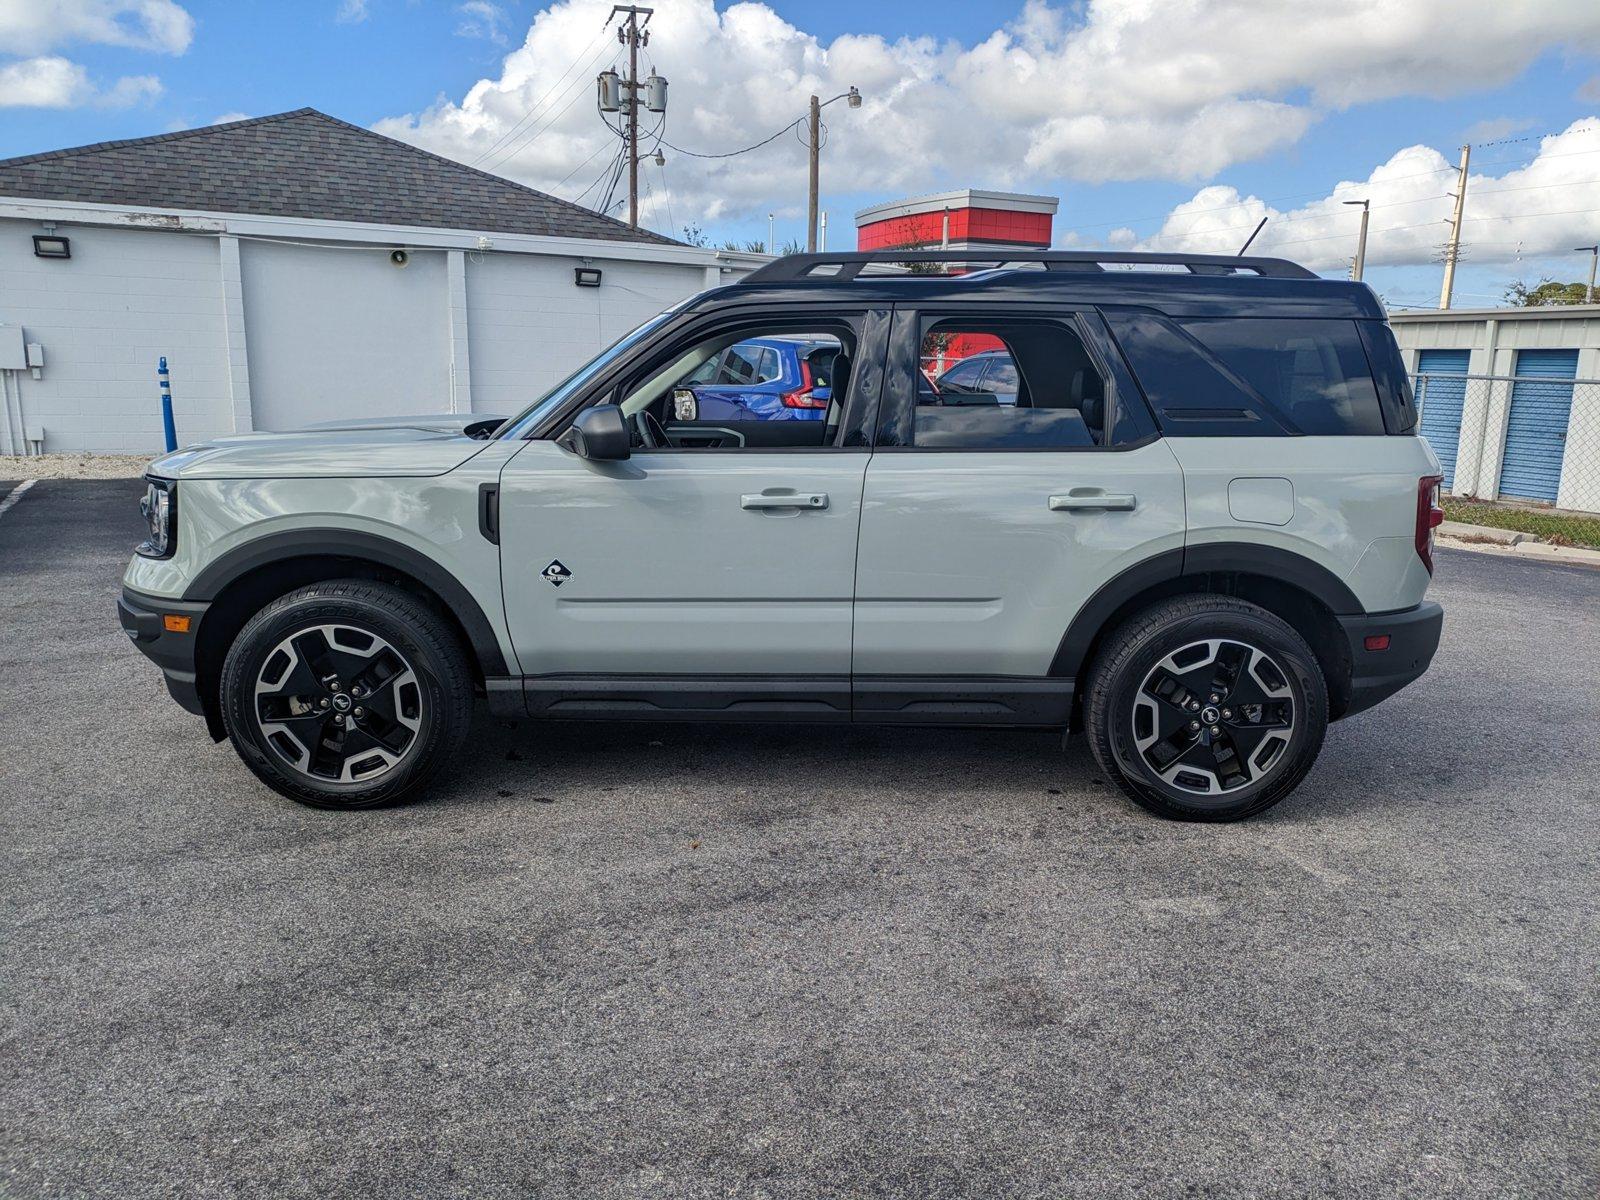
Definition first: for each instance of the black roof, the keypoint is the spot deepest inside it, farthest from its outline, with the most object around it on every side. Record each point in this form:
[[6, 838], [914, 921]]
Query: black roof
[[303, 164], [1211, 286]]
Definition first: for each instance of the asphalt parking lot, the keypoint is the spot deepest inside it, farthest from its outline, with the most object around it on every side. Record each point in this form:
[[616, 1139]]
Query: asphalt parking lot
[[661, 961]]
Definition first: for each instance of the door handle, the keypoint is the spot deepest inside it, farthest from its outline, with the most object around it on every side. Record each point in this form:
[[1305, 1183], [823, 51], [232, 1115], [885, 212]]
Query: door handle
[[784, 500], [1093, 502]]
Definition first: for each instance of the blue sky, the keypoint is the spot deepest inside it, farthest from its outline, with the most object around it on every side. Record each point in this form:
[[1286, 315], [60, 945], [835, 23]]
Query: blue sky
[[1291, 128]]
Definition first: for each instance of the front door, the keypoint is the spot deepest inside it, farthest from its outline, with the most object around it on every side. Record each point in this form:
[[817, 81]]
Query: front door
[[986, 525], [719, 548]]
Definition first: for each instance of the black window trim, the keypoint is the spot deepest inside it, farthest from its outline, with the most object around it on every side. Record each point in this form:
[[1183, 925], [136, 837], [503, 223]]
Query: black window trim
[[1084, 320], [859, 415]]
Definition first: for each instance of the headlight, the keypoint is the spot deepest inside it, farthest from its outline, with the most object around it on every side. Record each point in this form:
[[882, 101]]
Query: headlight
[[160, 507]]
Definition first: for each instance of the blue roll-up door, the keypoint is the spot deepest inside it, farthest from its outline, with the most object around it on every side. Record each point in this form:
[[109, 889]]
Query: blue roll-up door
[[1442, 401], [1536, 433]]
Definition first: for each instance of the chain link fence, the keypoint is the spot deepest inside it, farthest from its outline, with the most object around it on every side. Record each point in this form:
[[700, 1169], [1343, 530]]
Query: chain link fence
[[1519, 452]]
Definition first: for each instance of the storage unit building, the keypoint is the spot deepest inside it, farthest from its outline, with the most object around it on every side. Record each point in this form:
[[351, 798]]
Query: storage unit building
[[1511, 399]]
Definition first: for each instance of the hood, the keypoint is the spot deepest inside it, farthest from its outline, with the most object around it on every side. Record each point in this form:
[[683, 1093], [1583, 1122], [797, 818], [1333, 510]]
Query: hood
[[402, 446]]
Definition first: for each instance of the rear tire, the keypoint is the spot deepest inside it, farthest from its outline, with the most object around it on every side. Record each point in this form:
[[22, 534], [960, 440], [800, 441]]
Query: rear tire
[[1206, 708], [347, 694]]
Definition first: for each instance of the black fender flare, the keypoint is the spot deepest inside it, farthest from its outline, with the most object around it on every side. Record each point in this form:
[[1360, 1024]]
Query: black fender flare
[[1270, 562], [369, 547]]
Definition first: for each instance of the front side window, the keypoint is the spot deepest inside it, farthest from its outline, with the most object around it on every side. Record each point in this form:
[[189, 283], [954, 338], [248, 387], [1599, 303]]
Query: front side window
[[1034, 386], [778, 387]]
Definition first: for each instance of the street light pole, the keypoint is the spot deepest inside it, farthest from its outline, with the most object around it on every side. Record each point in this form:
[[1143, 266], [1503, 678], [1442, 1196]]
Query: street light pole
[[1361, 240], [1594, 259], [814, 140]]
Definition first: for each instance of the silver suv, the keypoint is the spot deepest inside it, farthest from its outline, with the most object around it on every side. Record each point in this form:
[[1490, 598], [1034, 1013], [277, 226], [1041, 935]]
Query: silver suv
[[1197, 530]]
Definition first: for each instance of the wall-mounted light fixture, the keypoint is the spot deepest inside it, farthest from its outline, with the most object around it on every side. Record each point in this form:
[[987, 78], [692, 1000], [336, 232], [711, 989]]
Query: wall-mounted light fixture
[[49, 246], [586, 276]]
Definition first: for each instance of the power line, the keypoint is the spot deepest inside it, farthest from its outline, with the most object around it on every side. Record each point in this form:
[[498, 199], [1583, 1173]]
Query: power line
[[735, 153], [549, 119], [534, 107]]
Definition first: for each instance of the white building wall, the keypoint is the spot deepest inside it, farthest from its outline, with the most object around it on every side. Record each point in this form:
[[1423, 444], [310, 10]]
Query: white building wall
[[531, 326], [104, 316]]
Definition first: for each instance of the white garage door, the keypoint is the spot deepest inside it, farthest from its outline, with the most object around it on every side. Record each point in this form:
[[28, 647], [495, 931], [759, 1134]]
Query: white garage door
[[336, 333]]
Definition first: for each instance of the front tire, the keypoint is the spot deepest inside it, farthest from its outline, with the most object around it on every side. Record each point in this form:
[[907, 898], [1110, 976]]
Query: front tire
[[347, 694], [1206, 708]]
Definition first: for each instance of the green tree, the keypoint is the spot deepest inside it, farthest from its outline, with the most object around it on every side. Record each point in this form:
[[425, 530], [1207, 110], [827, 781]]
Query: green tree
[[1544, 293]]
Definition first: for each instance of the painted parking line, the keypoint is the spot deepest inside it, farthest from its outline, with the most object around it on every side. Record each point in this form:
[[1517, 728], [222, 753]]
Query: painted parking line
[[15, 495]]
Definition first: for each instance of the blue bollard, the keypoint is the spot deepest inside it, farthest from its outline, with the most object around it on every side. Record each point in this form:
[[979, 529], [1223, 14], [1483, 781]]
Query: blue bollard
[[166, 406]]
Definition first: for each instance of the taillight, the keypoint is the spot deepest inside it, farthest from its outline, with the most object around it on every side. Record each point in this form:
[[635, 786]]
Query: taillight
[[1429, 517], [801, 397]]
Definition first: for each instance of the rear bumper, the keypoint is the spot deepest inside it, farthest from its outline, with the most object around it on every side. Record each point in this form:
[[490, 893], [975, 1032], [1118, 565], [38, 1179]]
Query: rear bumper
[[1375, 675], [143, 619]]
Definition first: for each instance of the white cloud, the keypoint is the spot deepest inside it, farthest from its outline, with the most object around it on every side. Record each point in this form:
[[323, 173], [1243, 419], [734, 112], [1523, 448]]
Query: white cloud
[[1119, 90], [34, 26], [351, 12], [1541, 207], [1589, 90], [228, 118], [481, 19], [53, 82]]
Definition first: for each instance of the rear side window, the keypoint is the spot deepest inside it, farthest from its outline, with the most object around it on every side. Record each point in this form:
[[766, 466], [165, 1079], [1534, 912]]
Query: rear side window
[[1251, 376], [1314, 372]]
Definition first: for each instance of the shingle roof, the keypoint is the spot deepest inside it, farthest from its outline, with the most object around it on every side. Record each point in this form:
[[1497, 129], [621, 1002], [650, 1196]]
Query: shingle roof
[[303, 164]]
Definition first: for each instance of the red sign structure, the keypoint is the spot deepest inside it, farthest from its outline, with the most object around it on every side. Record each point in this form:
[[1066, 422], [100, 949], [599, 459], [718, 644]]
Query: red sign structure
[[960, 220]]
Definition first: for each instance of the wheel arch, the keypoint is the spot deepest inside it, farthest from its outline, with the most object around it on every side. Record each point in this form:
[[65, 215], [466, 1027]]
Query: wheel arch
[[1303, 593], [238, 584]]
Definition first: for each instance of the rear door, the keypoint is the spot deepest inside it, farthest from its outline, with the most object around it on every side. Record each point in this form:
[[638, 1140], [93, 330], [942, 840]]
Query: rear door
[[985, 528]]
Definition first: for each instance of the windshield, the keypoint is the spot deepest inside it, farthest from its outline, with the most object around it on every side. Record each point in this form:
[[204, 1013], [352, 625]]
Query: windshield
[[519, 426]]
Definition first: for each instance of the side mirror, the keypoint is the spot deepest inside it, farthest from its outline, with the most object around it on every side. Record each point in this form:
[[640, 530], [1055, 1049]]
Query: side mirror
[[599, 433], [685, 404]]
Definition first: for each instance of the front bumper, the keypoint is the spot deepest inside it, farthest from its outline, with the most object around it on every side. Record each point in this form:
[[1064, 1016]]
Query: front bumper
[[1376, 675], [143, 619]]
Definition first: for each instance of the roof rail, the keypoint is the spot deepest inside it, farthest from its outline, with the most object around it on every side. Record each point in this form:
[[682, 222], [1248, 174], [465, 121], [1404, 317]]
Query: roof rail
[[847, 266]]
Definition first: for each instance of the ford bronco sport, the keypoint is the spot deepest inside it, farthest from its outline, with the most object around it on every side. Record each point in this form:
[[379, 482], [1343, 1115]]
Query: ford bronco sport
[[1200, 530]]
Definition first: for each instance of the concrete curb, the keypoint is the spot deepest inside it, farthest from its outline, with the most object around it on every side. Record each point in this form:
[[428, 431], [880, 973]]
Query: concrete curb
[[1569, 556], [1484, 533]]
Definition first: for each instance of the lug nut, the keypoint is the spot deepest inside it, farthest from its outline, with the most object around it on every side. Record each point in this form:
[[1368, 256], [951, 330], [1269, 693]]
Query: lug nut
[[338, 718], [355, 691], [1227, 712], [1214, 729], [323, 703], [358, 712], [1215, 697], [1194, 724]]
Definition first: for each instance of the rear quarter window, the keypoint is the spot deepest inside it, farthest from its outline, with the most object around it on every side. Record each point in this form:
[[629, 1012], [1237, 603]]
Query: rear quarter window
[[1251, 376], [1313, 372]]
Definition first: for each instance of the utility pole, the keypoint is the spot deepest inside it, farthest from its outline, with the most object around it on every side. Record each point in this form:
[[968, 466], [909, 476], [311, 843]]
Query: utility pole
[[614, 93], [1594, 259], [1453, 250], [1361, 239], [814, 144]]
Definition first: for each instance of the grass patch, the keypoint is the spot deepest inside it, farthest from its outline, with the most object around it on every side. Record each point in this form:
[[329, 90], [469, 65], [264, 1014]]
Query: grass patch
[[1562, 529]]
